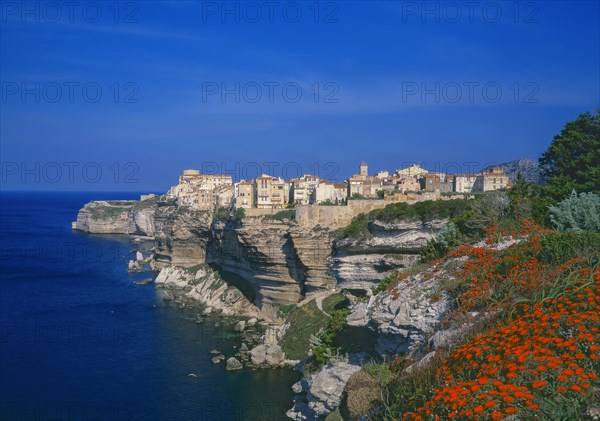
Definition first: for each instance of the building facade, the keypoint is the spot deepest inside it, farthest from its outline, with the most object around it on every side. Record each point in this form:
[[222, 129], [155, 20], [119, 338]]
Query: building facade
[[270, 192]]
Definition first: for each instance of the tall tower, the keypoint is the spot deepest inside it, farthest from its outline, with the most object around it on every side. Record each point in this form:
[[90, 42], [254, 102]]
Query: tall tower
[[364, 169]]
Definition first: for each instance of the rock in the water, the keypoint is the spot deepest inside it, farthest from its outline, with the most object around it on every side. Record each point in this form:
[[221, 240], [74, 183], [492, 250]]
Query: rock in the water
[[218, 359], [265, 354], [139, 256], [233, 364], [240, 326]]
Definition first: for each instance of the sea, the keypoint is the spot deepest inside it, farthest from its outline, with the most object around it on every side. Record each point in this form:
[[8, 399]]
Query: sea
[[79, 340]]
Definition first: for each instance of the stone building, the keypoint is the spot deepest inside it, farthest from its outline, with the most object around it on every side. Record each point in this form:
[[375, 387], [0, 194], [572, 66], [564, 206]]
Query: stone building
[[270, 192], [363, 184], [302, 188], [244, 194], [330, 190], [437, 181]]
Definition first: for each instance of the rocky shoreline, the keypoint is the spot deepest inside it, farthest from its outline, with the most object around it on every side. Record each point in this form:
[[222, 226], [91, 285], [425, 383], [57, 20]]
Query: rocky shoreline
[[247, 273]]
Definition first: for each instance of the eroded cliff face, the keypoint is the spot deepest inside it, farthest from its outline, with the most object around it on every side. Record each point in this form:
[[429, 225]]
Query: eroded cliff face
[[273, 261], [204, 286], [117, 217], [279, 260], [181, 236], [359, 264]]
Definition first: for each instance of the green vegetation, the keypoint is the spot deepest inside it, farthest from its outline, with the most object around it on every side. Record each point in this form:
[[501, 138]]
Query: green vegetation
[[327, 202], [424, 211], [222, 214], [285, 309], [557, 248], [380, 372], [357, 196], [577, 213], [572, 161], [358, 228], [364, 390], [283, 214], [391, 280], [322, 346], [108, 212], [304, 321], [334, 302], [148, 203], [240, 213]]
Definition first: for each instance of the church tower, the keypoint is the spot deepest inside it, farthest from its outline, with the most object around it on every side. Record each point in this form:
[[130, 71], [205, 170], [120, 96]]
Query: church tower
[[364, 169]]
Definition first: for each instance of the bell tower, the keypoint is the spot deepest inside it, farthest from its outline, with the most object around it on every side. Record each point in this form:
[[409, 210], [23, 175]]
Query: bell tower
[[364, 169]]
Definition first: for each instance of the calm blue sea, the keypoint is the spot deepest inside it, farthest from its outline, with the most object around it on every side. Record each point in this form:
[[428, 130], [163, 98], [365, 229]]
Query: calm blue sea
[[80, 341]]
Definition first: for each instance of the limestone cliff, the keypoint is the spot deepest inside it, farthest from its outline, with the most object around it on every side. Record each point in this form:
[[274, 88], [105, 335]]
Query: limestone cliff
[[181, 236], [117, 217], [360, 263], [202, 285], [279, 260]]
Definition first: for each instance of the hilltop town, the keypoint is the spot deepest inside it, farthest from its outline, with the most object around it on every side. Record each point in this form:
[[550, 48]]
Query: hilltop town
[[213, 191]]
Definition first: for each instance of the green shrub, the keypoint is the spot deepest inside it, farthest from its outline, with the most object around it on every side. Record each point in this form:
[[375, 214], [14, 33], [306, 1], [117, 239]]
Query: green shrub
[[557, 248], [425, 211], [321, 345], [284, 214], [222, 214], [240, 214], [358, 227], [449, 236], [577, 213], [391, 280]]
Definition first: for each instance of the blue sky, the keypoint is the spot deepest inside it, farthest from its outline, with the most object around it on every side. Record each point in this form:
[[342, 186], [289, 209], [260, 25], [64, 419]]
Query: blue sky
[[188, 84]]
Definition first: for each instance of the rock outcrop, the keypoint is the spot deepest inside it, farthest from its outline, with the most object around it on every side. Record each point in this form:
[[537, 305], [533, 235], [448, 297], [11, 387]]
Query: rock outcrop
[[117, 217], [181, 236], [320, 393], [280, 261], [266, 356], [203, 285], [404, 318], [362, 263]]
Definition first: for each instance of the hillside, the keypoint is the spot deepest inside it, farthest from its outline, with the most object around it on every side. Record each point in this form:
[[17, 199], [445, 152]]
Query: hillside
[[527, 167]]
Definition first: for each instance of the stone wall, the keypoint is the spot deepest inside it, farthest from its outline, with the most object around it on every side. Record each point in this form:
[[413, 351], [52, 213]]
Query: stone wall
[[340, 216]]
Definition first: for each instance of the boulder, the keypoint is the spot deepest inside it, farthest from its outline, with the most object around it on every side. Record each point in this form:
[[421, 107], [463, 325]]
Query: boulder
[[267, 354], [233, 364], [327, 386], [240, 326]]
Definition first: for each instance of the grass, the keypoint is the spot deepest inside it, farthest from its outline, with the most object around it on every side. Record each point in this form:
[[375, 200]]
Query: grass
[[285, 309], [334, 302], [153, 201], [304, 321], [108, 212]]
